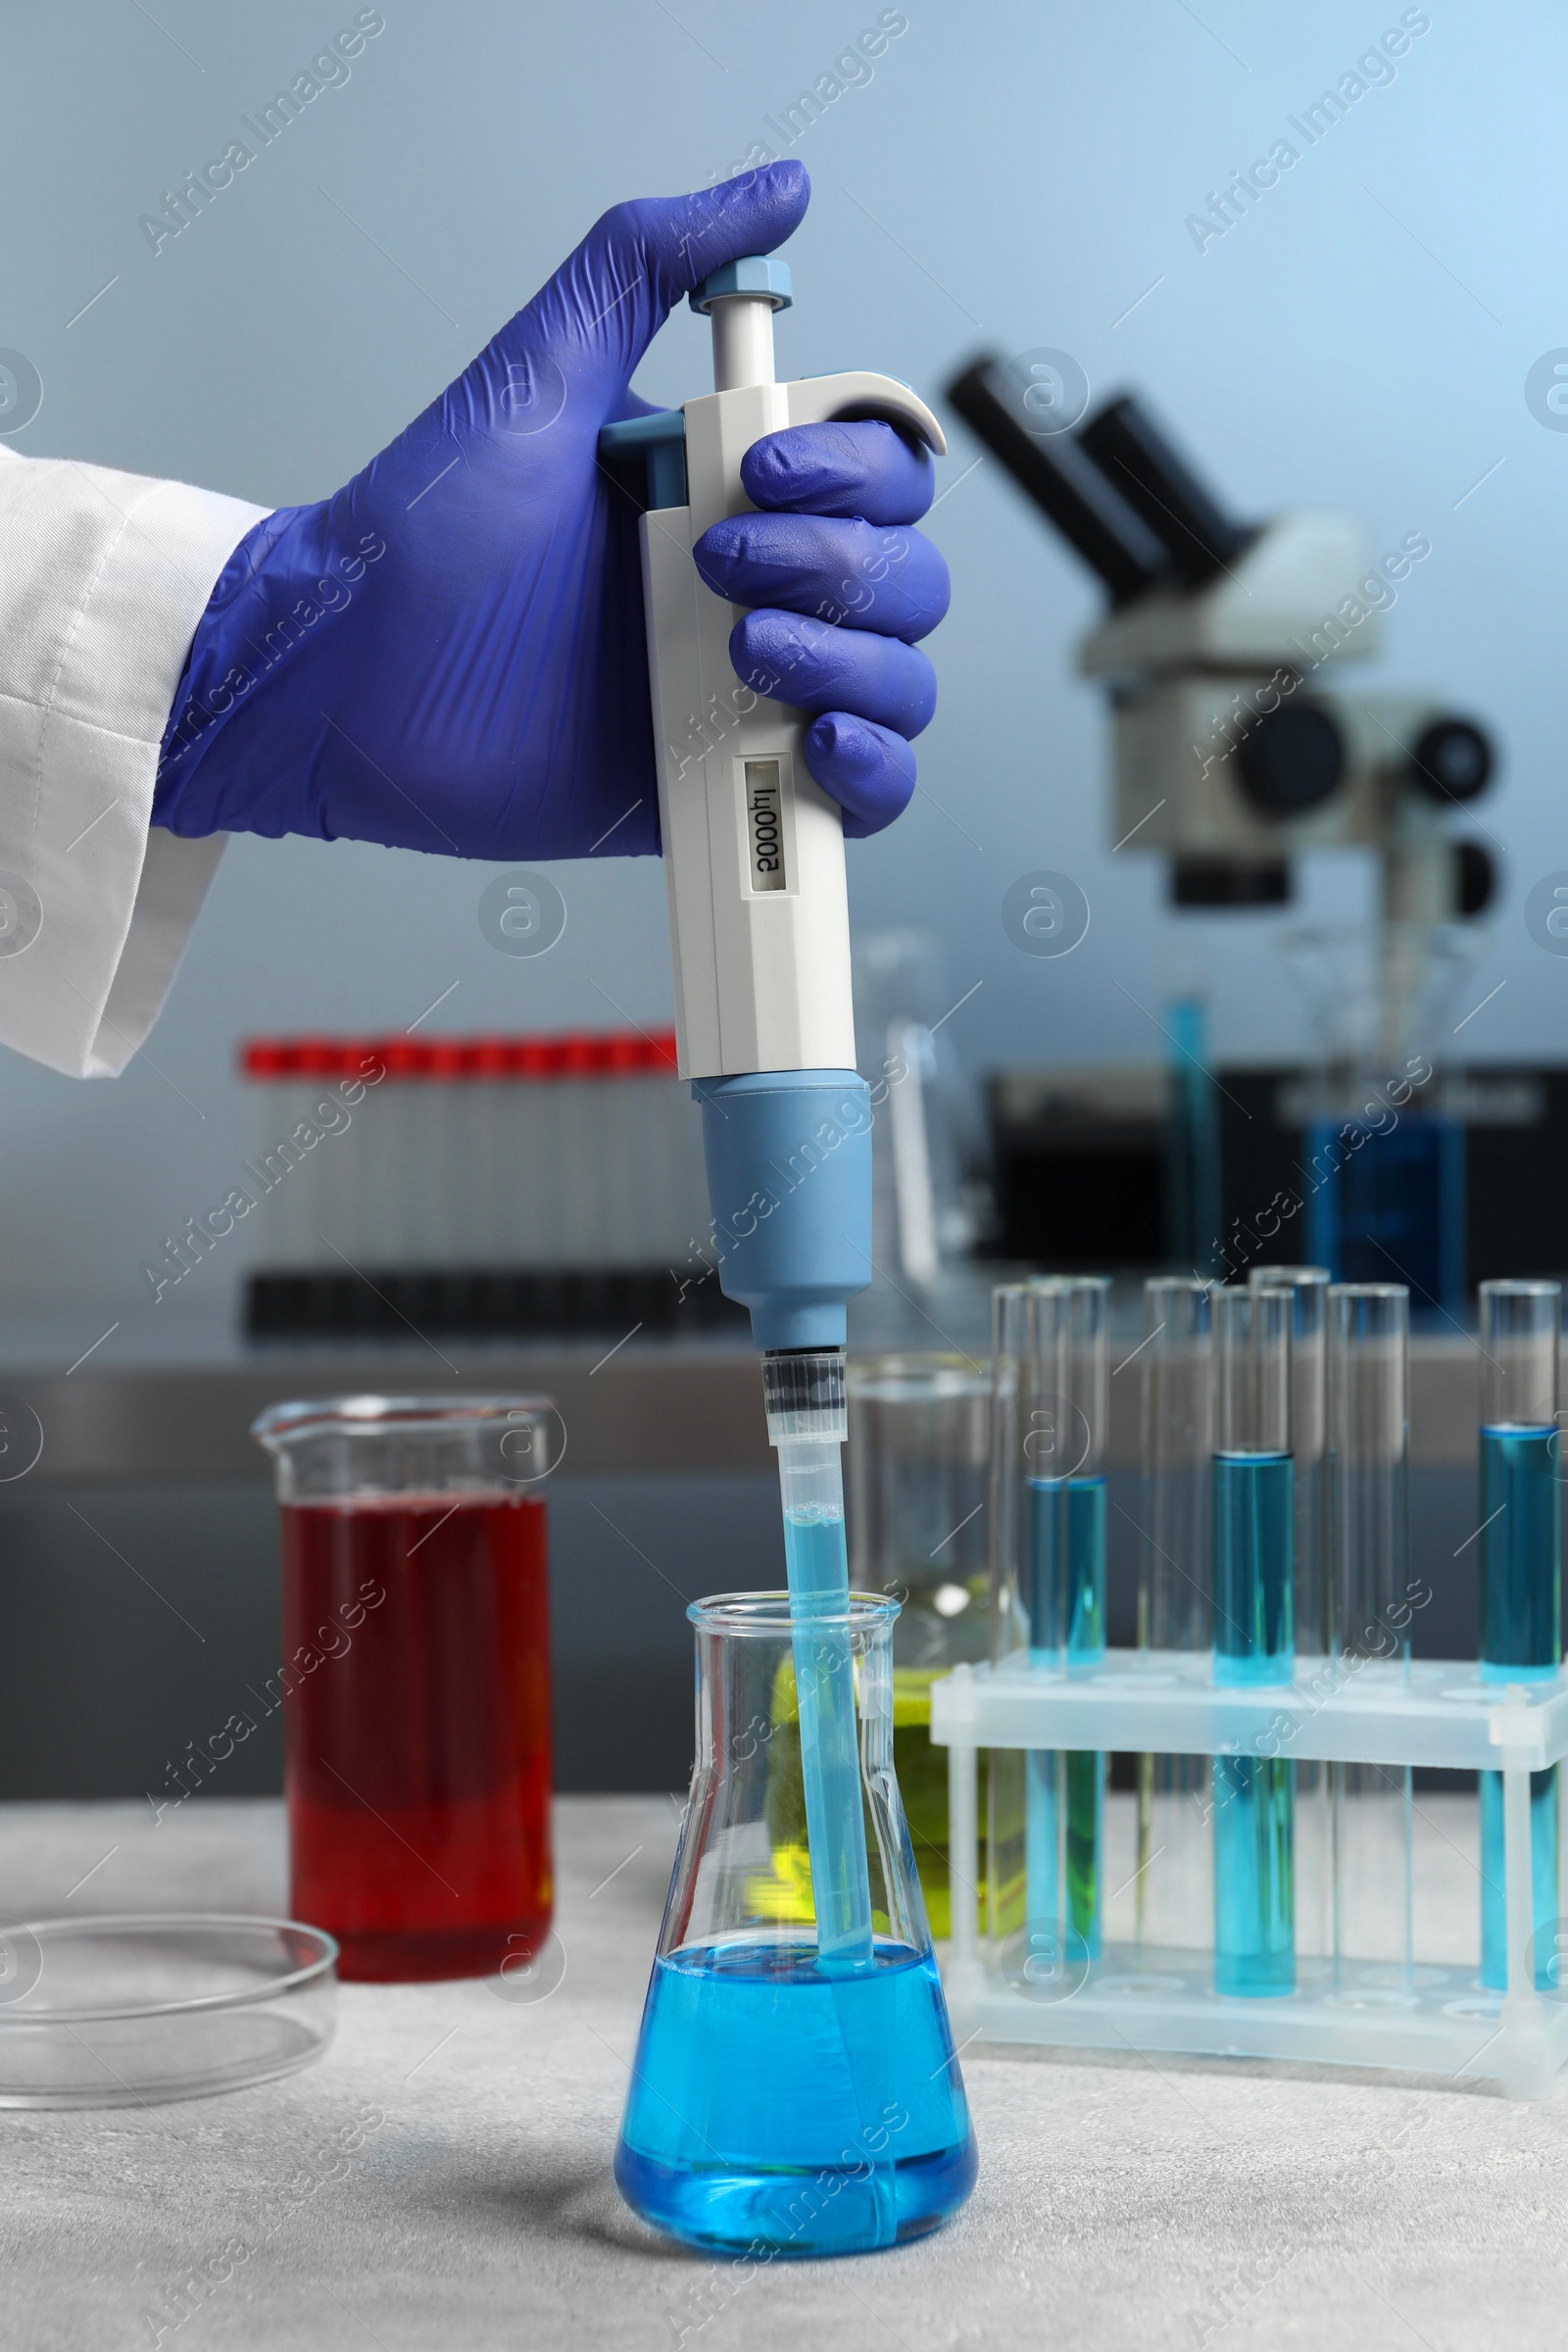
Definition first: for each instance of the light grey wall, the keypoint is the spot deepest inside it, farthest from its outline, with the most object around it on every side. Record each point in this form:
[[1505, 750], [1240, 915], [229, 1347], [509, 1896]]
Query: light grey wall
[[1015, 173]]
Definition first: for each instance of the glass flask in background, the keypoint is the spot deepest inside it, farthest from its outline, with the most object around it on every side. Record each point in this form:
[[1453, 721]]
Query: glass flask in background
[[927, 1128], [918, 1470], [1385, 1162], [1173, 1888], [1373, 1804], [1254, 1544], [417, 1671], [1521, 1584], [781, 2101], [1193, 1200]]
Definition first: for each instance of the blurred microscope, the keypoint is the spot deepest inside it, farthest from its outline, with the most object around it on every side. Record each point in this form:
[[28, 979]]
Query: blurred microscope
[[1232, 754], [1229, 758]]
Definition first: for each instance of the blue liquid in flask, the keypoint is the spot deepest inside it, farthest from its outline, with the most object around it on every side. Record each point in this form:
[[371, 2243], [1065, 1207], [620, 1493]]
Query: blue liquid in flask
[[778, 2104], [1066, 1803], [1521, 1642], [1254, 1796]]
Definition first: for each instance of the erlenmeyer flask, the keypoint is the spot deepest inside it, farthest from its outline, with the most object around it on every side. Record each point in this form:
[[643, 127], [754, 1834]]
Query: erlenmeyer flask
[[778, 2102]]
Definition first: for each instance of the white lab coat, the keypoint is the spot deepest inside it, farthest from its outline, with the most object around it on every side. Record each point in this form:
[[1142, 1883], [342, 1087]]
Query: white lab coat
[[103, 579]]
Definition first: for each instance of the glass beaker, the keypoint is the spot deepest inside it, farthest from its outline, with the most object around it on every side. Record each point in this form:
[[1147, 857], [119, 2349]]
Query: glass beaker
[[416, 1677], [919, 1454], [1385, 1161], [778, 2102]]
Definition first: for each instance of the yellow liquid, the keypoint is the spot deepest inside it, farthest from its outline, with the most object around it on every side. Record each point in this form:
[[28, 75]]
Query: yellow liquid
[[922, 1774], [784, 1893]]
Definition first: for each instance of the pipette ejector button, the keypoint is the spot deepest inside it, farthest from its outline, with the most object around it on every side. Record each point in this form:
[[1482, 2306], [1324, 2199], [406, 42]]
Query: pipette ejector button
[[756, 273]]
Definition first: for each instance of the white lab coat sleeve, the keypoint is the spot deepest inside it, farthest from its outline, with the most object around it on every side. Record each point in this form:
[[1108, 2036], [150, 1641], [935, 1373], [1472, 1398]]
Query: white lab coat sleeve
[[103, 579]]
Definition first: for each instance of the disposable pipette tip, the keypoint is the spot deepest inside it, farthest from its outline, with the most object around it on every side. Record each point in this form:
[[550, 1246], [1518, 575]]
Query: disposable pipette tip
[[806, 1422]]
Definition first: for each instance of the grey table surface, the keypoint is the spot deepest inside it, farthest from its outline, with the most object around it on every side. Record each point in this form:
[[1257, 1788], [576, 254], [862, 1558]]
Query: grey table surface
[[1120, 2203]]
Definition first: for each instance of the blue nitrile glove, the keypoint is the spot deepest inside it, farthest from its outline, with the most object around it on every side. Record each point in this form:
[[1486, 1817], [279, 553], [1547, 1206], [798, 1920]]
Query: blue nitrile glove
[[449, 654]]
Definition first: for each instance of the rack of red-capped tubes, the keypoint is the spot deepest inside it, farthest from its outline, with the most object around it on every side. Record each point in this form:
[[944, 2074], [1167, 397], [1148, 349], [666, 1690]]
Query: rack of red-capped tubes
[[503, 1185]]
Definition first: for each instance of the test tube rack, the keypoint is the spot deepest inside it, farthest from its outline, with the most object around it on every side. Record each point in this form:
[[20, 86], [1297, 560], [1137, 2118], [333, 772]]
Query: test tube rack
[[1433, 1713]]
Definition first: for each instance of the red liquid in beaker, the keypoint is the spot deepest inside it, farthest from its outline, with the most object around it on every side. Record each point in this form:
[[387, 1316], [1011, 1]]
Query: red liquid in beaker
[[417, 1747]]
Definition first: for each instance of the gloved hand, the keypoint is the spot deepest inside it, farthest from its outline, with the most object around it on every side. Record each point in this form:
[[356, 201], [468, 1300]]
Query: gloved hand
[[449, 654]]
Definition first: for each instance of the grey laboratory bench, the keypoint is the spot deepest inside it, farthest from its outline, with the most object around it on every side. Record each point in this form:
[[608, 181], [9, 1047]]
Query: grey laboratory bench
[[647, 1406], [138, 1568], [1122, 2204]]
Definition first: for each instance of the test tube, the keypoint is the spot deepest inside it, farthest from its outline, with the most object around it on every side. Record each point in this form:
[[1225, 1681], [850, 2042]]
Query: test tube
[[1313, 1608], [402, 1177], [1521, 1581], [491, 1173], [1372, 1805], [626, 1189], [1005, 1769], [1063, 1549], [448, 1109], [573, 1207], [1254, 1548], [1172, 1904], [917, 1469], [534, 1169]]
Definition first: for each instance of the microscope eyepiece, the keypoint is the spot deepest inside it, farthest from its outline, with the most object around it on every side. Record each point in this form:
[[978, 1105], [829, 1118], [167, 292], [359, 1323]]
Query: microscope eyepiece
[[1163, 492], [1097, 522]]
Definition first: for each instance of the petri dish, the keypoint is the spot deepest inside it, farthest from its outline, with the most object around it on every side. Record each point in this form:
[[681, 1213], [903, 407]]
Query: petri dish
[[129, 2010]]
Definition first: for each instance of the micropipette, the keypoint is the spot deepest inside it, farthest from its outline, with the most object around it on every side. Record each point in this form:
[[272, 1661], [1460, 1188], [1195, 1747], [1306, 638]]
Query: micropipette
[[759, 934]]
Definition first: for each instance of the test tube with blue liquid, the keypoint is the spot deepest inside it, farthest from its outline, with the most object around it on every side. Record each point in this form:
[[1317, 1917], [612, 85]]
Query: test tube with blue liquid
[[1254, 1538], [1063, 1415], [1172, 1898], [1373, 1804], [1312, 1609], [1521, 1581]]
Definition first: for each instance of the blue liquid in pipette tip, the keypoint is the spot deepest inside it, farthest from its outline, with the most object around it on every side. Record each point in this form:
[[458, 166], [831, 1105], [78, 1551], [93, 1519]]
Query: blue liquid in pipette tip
[[775, 2104], [1521, 1641], [816, 1563], [1065, 1800], [1254, 1796]]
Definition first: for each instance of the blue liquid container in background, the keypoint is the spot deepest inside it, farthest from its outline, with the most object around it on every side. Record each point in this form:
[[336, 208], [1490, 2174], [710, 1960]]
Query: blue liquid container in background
[[1065, 1800], [1390, 1206], [1253, 1553], [783, 2102], [1521, 1642], [1194, 1211]]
